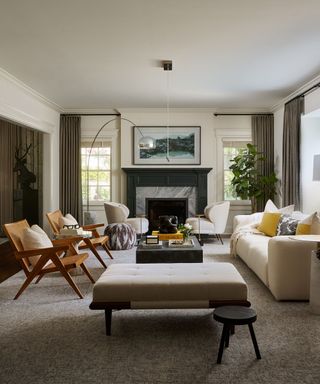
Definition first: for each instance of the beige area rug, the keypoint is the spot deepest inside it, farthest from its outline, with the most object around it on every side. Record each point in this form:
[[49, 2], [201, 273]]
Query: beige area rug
[[50, 336]]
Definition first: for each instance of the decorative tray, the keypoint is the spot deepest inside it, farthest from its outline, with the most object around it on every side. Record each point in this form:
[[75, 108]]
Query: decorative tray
[[177, 243], [143, 244]]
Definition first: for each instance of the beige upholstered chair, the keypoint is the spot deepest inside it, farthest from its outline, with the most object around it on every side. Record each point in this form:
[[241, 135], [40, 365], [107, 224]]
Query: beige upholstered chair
[[214, 221], [118, 213]]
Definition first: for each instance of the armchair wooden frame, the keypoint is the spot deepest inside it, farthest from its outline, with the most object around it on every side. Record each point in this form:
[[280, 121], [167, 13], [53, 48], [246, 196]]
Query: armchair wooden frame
[[86, 243], [43, 265]]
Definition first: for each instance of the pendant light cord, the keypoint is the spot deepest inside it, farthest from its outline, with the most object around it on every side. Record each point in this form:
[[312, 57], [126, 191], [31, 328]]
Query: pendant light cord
[[168, 116]]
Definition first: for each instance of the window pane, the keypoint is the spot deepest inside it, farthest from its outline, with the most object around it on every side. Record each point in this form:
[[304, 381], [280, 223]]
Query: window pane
[[230, 150], [99, 175], [94, 162], [104, 162]]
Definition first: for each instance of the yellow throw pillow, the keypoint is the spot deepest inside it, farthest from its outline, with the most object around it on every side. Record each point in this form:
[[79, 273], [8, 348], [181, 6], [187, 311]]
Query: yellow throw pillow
[[303, 229], [269, 223], [309, 225]]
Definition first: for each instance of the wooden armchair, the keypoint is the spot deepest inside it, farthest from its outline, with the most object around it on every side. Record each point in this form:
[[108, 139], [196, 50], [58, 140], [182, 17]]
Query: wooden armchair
[[45, 260], [86, 243]]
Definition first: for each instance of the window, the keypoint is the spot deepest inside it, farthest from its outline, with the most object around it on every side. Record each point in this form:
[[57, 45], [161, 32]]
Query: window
[[98, 173], [230, 150]]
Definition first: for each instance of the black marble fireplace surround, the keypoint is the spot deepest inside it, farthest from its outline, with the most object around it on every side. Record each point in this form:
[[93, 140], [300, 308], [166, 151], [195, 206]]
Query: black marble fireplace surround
[[167, 177]]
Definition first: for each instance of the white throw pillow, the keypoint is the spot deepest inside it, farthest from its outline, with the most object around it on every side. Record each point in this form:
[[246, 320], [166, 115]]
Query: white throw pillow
[[67, 220], [315, 225], [271, 207], [33, 238]]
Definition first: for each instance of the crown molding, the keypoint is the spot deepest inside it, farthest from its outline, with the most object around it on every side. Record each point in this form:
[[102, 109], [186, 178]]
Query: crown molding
[[294, 94], [91, 111], [195, 110], [30, 91]]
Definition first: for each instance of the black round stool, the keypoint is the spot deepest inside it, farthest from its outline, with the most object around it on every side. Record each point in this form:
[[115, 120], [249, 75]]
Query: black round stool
[[230, 316]]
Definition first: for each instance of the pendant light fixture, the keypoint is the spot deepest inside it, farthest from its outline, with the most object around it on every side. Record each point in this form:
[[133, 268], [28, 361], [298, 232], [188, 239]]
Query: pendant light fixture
[[148, 142], [167, 66]]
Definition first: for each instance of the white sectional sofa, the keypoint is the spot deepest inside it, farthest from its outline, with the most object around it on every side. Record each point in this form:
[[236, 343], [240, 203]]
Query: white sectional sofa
[[281, 262]]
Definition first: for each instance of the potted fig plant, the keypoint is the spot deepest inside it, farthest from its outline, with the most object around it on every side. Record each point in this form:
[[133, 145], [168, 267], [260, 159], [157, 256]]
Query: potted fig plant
[[248, 182]]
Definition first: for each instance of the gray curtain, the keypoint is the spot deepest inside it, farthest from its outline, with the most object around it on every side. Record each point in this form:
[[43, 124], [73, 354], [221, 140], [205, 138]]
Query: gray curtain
[[70, 166], [7, 150], [291, 152], [263, 139]]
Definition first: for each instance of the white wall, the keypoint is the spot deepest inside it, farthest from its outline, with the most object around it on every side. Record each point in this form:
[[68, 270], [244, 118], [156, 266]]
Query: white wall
[[21, 105], [310, 146], [211, 131]]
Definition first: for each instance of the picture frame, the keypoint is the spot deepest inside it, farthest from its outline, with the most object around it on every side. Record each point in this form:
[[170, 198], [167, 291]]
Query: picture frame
[[174, 145]]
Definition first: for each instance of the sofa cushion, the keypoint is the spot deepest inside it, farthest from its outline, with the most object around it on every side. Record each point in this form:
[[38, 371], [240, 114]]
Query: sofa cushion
[[271, 207], [269, 223], [253, 250], [309, 225]]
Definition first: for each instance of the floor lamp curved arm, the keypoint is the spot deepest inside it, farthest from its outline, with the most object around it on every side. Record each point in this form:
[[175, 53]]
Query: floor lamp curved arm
[[92, 145]]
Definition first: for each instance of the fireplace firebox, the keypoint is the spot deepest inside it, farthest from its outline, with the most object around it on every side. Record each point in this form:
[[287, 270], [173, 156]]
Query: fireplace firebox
[[166, 206]]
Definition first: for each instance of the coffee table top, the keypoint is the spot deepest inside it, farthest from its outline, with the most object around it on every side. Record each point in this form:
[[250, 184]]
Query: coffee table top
[[165, 246]]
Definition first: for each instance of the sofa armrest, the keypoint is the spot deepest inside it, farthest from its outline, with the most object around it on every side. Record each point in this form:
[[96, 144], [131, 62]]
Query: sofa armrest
[[243, 220], [289, 268]]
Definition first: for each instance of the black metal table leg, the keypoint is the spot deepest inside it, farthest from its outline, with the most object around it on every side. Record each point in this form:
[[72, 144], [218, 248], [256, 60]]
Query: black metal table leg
[[226, 344], [222, 341], [254, 341]]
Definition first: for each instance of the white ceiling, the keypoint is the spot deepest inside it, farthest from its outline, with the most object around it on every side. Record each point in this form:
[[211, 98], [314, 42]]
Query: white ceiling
[[83, 54]]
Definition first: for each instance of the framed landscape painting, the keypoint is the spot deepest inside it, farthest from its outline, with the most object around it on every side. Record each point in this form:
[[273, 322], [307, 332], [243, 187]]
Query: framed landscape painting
[[172, 145]]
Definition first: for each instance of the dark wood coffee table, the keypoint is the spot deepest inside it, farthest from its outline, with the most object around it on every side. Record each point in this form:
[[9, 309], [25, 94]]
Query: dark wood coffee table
[[168, 254]]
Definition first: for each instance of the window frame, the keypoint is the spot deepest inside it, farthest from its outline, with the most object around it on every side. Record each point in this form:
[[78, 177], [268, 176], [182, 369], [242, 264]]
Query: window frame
[[228, 135], [86, 142], [240, 144]]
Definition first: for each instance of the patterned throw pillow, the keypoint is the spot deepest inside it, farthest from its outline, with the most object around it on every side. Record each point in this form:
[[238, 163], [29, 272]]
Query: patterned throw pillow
[[287, 225]]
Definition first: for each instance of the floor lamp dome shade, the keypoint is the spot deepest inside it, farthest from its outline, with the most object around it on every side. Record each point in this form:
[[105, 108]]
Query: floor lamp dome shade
[[146, 142], [87, 218]]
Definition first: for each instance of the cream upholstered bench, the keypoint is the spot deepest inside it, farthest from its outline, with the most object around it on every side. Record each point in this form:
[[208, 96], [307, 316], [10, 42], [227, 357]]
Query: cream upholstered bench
[[152, 286]]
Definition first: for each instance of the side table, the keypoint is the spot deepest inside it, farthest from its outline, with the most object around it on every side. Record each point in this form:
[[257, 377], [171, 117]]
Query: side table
[[231, 315]]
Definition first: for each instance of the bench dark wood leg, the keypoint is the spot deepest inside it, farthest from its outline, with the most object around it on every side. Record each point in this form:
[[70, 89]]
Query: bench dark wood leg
[[254, 341], [222, 341], [108, 318]]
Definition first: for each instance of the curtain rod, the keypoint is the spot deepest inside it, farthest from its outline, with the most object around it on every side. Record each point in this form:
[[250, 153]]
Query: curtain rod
[[243, 114], [304, 92], [91, 114]]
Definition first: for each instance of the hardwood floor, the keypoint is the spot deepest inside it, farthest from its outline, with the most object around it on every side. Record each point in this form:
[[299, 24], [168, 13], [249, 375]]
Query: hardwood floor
[[8, 264]]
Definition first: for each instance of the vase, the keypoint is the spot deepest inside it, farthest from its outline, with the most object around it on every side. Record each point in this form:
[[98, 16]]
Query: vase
[[185, 238]]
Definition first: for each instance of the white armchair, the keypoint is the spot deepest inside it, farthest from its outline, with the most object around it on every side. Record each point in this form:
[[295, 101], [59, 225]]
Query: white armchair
[[214, 221], [118, 213]]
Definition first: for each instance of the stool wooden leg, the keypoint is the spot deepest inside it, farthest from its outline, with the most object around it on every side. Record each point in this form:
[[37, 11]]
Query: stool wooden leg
[[254, 341], [108, 318], [232, 329], [222, 340]]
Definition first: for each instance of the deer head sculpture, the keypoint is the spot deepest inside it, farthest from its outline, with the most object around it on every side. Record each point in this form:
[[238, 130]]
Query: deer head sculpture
[[25, 177]]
